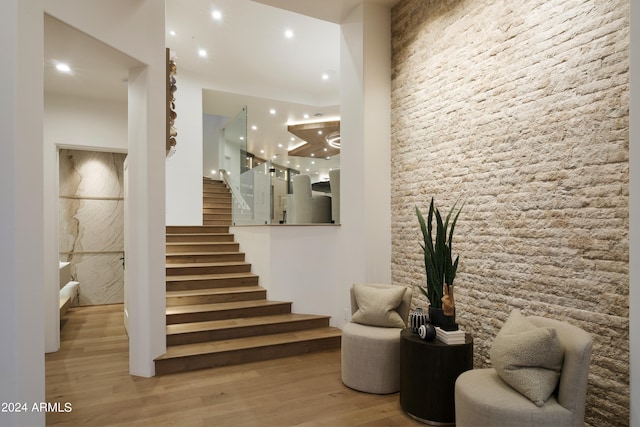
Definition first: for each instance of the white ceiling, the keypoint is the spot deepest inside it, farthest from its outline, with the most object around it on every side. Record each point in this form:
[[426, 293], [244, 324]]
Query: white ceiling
[[249, 63]]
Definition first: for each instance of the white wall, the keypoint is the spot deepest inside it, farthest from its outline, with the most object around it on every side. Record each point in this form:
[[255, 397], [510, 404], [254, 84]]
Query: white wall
[[211, 147], [184, 168], [314, 266], [296, 263], [83, 123], [21, 210], [364, 239]]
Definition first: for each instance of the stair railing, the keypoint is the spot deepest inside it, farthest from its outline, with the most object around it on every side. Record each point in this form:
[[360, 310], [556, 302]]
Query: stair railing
[[236, 195]]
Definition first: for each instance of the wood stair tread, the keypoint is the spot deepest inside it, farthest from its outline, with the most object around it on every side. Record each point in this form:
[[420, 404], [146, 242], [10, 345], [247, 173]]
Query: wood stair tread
[[213, 291], [209, 276], [199, 234], [204, 308], [206, 264], [255, 343], [198, 243], [179, 254], [241, 322]]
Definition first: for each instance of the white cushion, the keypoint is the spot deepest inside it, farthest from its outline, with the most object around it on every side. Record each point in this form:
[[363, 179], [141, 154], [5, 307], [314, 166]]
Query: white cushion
[[527, 357], [378, 306]]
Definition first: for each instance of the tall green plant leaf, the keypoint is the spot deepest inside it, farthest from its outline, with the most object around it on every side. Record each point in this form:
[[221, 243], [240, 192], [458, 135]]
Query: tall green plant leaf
[[440, 267]]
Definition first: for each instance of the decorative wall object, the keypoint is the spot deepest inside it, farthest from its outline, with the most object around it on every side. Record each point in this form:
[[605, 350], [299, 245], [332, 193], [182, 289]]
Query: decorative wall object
[[172, 133]]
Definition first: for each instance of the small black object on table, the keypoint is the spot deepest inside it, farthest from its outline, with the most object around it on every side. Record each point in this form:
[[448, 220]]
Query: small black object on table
[[428, 373]]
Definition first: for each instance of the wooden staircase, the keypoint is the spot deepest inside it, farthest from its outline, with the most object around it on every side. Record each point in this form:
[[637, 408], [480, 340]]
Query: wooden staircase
[[218, 314], [216, 203]]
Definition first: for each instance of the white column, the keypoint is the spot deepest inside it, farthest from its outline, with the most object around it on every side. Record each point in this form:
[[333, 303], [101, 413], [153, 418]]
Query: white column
[[364, 249], [21, 211]]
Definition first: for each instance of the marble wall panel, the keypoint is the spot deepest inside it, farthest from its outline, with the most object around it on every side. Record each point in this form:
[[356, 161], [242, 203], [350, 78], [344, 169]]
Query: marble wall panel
[[91, 215], [101, 278]]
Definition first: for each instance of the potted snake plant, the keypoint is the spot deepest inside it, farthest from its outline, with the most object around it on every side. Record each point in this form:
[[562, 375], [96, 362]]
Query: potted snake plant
[[439, 265]]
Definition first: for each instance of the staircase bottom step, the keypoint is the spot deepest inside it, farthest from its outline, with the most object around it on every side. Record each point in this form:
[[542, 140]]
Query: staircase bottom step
[[244, 350]]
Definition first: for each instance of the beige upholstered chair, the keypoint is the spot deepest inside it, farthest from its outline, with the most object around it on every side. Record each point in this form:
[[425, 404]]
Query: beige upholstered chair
[[371, 354], [482, 398], [308, 208]]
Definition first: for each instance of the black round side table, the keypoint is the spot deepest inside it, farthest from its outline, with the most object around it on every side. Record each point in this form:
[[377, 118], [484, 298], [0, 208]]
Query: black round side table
[[428, 373]]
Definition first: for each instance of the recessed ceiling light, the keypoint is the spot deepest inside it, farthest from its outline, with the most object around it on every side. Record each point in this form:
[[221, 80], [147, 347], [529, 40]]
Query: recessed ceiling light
[[202, 53], [242, 138], [254, 127], [279, 145], [261, 151], [173, 33], [306, 116], [312, 155], [325, 76], [272, 111], [217, 15], [64, 68], [319, 132], [293, 139], [313, 162], [288, 34]]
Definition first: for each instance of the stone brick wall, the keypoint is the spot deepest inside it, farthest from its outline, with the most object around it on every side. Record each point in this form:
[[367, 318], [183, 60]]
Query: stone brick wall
[[521, 109]]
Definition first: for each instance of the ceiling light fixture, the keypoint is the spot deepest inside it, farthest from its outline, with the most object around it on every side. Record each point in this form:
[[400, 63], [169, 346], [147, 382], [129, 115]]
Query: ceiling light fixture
[[173, 33], [217, 15], [63, 68], [202, 53], [325, 76], [288, 34], [272, 111], [333, 139]]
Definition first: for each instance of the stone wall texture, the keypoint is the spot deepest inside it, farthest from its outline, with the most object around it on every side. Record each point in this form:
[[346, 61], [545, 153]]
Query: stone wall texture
[[521, 110]]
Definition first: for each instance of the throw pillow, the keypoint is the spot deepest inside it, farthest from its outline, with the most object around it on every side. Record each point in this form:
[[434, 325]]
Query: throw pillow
[[377, 306], [527, 357]]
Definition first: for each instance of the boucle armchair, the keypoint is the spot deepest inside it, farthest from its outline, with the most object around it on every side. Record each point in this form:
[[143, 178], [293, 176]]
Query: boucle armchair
[[371, 339], [482, 398]]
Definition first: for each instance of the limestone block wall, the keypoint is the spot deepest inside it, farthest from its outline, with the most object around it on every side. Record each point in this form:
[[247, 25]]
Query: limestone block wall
[[521, 109]]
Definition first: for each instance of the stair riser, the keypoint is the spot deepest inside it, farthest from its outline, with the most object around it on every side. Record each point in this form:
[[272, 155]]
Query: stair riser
[[215, 210], [216, 215], [173, 319], [212, 283], [216, 222], [214, 299], [223, 191], [243, 332], [220, 247], [222, 257], [213, 269], [200, 238], [244, 356], [213, 198], [184, 229]]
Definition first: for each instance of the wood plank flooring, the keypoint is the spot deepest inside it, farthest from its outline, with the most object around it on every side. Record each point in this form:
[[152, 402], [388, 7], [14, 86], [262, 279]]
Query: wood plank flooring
[[91, 372]]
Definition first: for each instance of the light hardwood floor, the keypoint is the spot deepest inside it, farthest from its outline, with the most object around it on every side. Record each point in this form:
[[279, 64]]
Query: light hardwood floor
[[91, 373]]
